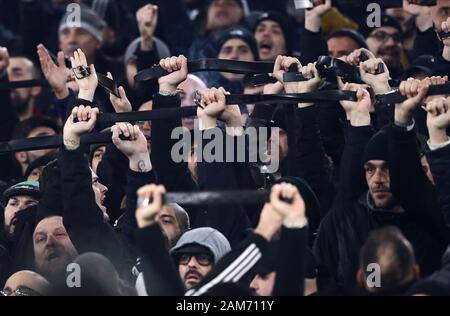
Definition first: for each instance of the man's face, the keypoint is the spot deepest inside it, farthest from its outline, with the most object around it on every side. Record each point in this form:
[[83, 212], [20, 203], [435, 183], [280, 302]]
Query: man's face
[[16, 204], [384, 43], [263, 285], [97, 157], [341, 46], [21, 69], [100, 194], [223, 14], [235, 49], [38, 132], [169, 224], [193, 268], [72, 38], [271, 41], [53, 249], [28, 283], [189, 86], [378, 181], [440, 13]]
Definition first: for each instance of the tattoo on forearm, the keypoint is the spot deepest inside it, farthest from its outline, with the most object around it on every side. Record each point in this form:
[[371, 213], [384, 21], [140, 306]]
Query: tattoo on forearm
[[141, 166], [71, 144]]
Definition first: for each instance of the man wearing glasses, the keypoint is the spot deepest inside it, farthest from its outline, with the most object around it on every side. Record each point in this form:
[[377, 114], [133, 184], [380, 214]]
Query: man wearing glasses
[[386, 42], [196, 253], [26, 283]]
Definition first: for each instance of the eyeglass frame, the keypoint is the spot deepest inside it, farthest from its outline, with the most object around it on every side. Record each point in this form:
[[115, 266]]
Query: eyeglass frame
[[20, 292], [396, 37], [196, 255]]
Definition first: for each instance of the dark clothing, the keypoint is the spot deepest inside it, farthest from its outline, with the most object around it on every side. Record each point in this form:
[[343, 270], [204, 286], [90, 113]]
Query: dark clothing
[[439, 161], [82, 218], [8, 120], [291, 263], [345, 229], [426, 43]]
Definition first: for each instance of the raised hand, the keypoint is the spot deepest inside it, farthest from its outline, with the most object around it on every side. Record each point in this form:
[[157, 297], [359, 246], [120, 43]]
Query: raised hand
[[121, 104], [438, 119], [378, 82], [354, 58], [135, 147], [147, 19], [56, 75], [313, 16], [358, 113], [415, 90], [293, 211], [89, 84], [212, 105], [150, 202], [178, 71], [73, 130]]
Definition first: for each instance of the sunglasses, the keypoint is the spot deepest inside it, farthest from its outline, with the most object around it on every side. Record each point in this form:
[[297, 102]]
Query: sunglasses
[[202, 259], [384, 36]]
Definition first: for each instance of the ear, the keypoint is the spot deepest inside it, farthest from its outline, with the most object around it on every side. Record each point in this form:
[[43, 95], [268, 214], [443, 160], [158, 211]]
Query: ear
[[35, 91], [361, 279], [21, 156]]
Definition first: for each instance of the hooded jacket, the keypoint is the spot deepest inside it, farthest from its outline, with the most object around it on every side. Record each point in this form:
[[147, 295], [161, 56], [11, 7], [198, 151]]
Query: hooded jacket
[[345, 229], [207, 237]]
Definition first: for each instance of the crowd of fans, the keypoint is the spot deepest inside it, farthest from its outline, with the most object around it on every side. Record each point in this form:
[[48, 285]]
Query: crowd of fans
[[360, 184]]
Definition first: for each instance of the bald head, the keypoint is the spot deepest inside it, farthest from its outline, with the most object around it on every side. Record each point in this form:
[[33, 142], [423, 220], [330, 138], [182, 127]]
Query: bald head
[[189, 86], [28, 283], [174, 221], [393, 253]]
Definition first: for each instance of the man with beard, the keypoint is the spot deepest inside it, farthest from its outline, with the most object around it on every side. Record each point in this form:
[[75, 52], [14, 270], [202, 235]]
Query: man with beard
[[197, 252], [53, 248], [19, 204], [24, 99], [386, 42], [398, 194]]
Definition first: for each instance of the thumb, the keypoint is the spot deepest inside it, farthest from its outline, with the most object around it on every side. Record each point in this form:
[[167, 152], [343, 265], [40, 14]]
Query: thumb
[[422, 93]]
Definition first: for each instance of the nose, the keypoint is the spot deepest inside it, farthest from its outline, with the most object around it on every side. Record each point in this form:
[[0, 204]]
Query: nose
[[50, 240], [192, 262], [390, 41], [254, 284], [234, 55], [380, 176], [103, 188]]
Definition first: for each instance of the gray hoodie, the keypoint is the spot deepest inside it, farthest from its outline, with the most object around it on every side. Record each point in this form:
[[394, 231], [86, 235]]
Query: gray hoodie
[[207, 237]]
